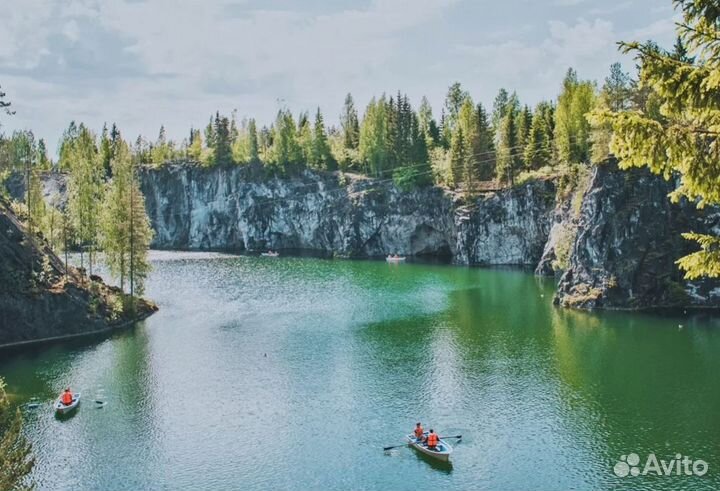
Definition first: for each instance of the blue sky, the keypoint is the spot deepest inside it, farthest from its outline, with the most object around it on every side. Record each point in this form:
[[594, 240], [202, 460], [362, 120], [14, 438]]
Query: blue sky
[[143, 63]]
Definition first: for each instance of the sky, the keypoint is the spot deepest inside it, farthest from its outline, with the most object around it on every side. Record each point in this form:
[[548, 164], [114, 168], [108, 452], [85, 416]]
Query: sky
[[146, 63]]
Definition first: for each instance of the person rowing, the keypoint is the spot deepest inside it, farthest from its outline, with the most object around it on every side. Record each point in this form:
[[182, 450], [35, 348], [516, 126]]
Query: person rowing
[[67, 397], [432, 440], [419, 433]]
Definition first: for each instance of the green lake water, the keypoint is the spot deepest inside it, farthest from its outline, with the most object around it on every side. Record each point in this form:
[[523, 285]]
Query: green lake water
[[292, 373]]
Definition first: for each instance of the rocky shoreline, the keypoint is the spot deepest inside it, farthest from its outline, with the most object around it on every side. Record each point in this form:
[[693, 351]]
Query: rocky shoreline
[[611, 236], [41, 301]]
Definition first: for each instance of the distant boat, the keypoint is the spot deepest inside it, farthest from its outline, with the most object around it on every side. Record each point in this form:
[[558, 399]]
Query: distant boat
[[270, 254], [62, 409], [441, 452], [395, 259]]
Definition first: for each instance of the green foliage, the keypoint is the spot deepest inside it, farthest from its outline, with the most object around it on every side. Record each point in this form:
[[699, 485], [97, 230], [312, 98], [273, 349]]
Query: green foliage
[[538, 146], [681, 139], [286, 148], [321, 156], [508, 162], [350, 124], [572, 129], [16, 459], [126, 232], [454, 101], [374, 151], [84, 187], [458, 157]]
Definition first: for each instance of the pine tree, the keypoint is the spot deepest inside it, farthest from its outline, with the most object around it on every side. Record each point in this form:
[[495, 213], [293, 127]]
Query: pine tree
[[500, 106], [454, 101], [305, 140], [485, 148], [285, 147], [615, 93], [320, 147], [105, 150], [572, 129], [427, 124], [126, 232], [43, 162], [350, 124], [84, 191], [16, 460], [524, 121], [195, 145], [253, 152], [221, 145], [458, 157], [538, 148], [682, 142], [507, 152], [373, 147]]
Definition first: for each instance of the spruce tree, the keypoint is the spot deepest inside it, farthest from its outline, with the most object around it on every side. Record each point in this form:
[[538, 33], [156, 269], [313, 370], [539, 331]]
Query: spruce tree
[[350, 124], [253, 152], [538, 148], [221, 145], [506, 150], [458, 158], [682, 140], [321, 148], [485, 156]]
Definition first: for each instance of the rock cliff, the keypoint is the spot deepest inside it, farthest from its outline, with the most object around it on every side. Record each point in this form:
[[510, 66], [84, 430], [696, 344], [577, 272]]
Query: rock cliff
[[237, 208], [628, 239], [613, 234]]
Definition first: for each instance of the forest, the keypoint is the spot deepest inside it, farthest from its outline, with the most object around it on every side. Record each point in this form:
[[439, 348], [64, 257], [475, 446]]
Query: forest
[[468, 148]]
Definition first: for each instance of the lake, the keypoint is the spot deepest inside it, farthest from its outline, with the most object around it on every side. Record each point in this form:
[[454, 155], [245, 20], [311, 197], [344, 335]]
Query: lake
[[294, 373]]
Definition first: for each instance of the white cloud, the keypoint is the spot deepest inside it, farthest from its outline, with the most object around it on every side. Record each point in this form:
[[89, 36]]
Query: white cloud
[[143, 63]]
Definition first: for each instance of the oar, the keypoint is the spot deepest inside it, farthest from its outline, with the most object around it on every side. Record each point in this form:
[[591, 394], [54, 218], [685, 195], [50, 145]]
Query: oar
[[456, 436], [396, 446]]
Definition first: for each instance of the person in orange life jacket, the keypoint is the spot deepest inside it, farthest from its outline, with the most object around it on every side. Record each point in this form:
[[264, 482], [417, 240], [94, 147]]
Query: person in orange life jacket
[[432, 440], [419, 432], [67, 397]]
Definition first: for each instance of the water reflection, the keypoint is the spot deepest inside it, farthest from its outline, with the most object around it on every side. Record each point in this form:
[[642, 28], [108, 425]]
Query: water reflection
[[295, 373]]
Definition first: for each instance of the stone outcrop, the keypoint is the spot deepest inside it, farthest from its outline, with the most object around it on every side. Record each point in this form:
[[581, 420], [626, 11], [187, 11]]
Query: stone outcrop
[[39, 300], [237, 208], [509, 227], [627, 242]]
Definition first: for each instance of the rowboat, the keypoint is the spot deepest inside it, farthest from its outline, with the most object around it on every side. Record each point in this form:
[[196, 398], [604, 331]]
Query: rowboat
[[392, 259], [270, 254], [441, 452], [61, 408]]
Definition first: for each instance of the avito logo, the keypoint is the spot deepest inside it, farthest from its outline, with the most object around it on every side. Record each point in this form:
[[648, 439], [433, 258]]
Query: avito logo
[[629, 465]]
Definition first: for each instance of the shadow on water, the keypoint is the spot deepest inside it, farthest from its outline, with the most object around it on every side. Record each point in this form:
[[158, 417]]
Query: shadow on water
[[438, 465], [66, 416]]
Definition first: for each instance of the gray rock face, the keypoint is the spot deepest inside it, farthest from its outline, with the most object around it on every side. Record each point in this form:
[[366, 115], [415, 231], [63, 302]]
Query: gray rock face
[[237, 208], [627, 243], [506, 228], [616, 234]]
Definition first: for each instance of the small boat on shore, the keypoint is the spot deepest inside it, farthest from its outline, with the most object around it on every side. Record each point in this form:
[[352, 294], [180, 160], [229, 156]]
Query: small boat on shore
[[62, 409], [395, 259], [270, 254], [442, 451]]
